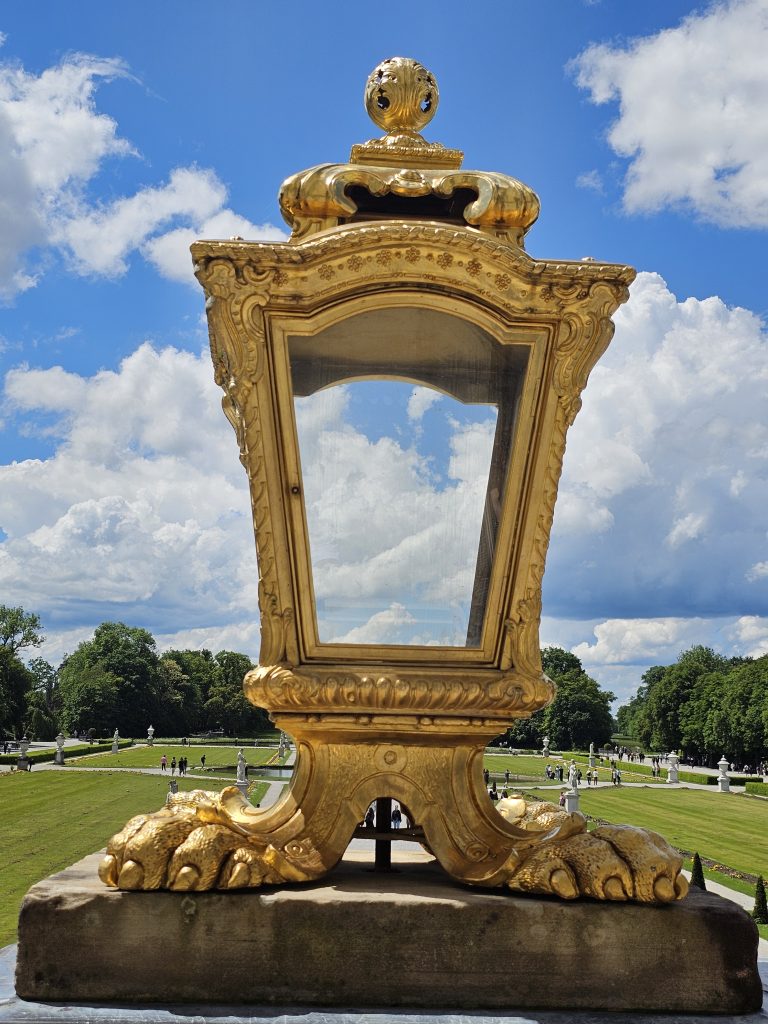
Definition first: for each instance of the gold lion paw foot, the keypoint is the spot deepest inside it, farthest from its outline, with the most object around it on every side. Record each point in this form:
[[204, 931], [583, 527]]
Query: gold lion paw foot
[[191, 845], [613, 862]]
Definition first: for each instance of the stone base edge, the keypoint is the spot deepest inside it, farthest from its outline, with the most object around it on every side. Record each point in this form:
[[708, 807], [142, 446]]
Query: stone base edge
[[410, 939]]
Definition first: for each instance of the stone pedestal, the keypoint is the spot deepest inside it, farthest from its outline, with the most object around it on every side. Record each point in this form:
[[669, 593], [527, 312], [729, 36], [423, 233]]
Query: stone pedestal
[[409, 938], [572, 800]]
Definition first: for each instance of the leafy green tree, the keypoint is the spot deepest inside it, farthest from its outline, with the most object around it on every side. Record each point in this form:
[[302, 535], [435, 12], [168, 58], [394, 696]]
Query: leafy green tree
[[581, 711], [179, 705], [227, 707], [130, 655], [89, 695], [120, 669], [40, 723], [557, 662], [46, 681], [526, 733], [674, 689], [15, 683], [200, 667], [19, 629]]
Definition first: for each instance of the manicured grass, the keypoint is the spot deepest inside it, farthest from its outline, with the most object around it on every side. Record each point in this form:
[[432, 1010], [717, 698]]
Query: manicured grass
[[51, 819], [149, 757], [724, 827]]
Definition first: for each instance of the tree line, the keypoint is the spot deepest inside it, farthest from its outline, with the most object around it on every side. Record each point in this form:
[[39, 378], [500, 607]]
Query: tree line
[[117, 680], [704, 705]]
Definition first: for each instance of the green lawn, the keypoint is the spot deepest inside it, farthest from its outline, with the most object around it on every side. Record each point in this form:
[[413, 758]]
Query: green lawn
[[149, 757], [51, 819], [726, 828]]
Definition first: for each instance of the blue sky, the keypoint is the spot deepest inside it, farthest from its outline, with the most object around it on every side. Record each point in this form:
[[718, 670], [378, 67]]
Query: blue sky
[[127, 130]]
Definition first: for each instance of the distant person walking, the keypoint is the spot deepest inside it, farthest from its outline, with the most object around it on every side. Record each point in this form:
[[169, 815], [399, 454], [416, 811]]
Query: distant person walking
[[163, 763], [397, 817], [202, 760], [173, 765]]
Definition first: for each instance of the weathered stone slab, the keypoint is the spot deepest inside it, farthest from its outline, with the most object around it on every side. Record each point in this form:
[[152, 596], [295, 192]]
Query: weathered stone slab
[[359, 939]]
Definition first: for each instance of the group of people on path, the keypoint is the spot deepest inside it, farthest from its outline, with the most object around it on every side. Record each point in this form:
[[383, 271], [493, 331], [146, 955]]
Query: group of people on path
[[181, 764]]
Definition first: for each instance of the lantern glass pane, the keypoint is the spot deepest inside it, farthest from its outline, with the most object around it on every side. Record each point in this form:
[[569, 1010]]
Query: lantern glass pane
[[405, 421]]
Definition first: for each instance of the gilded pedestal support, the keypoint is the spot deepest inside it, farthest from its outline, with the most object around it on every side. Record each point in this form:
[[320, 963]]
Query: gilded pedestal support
[[430, 764]]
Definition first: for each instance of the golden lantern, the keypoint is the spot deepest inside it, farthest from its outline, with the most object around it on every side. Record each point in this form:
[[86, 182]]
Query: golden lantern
[[405, 280]]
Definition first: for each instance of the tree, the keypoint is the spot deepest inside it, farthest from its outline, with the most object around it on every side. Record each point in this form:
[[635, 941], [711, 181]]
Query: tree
[[120, 663], [227, 707], [697, 873], [525, 733], [46, 681], [557, 662], [581, 711], [15, 682], [40, 723], [130, 655], [89, 694], [760, 912], [19, 629]]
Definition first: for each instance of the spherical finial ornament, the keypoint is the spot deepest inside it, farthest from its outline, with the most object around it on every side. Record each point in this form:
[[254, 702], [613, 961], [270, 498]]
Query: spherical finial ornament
[[401, 95]]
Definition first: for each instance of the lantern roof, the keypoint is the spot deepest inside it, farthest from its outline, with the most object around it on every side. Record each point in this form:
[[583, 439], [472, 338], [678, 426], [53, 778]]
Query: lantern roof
[[402, 176]]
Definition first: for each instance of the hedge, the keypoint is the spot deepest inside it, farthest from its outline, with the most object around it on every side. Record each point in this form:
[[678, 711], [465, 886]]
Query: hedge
[[757, 788], [701, 780], [265, 739], [41, 756]]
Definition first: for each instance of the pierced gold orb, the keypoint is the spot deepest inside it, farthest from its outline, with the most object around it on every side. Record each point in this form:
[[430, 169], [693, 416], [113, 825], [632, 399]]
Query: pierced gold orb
[[401, 95]]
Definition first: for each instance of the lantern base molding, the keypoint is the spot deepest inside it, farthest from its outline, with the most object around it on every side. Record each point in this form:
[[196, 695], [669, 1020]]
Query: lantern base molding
[[408, 939], [431, 765]]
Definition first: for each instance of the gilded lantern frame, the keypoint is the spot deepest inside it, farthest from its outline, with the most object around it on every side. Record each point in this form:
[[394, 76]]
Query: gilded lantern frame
[[258, 293]]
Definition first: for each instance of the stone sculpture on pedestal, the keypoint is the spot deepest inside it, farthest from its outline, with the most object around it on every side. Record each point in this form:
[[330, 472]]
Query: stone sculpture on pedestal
[[58, 757]]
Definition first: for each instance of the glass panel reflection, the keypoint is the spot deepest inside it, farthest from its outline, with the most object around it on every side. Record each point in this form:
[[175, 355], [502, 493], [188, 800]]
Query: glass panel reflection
[[403, 477]]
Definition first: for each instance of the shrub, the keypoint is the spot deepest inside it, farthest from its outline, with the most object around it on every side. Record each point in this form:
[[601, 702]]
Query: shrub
[[697, 873], [757, 788], [760, 913]]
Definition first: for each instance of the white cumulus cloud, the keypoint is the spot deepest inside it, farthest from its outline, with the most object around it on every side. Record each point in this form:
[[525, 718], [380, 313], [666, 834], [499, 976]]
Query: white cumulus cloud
[[142, 510], [691, 119], [665, 478], [53, 145]]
